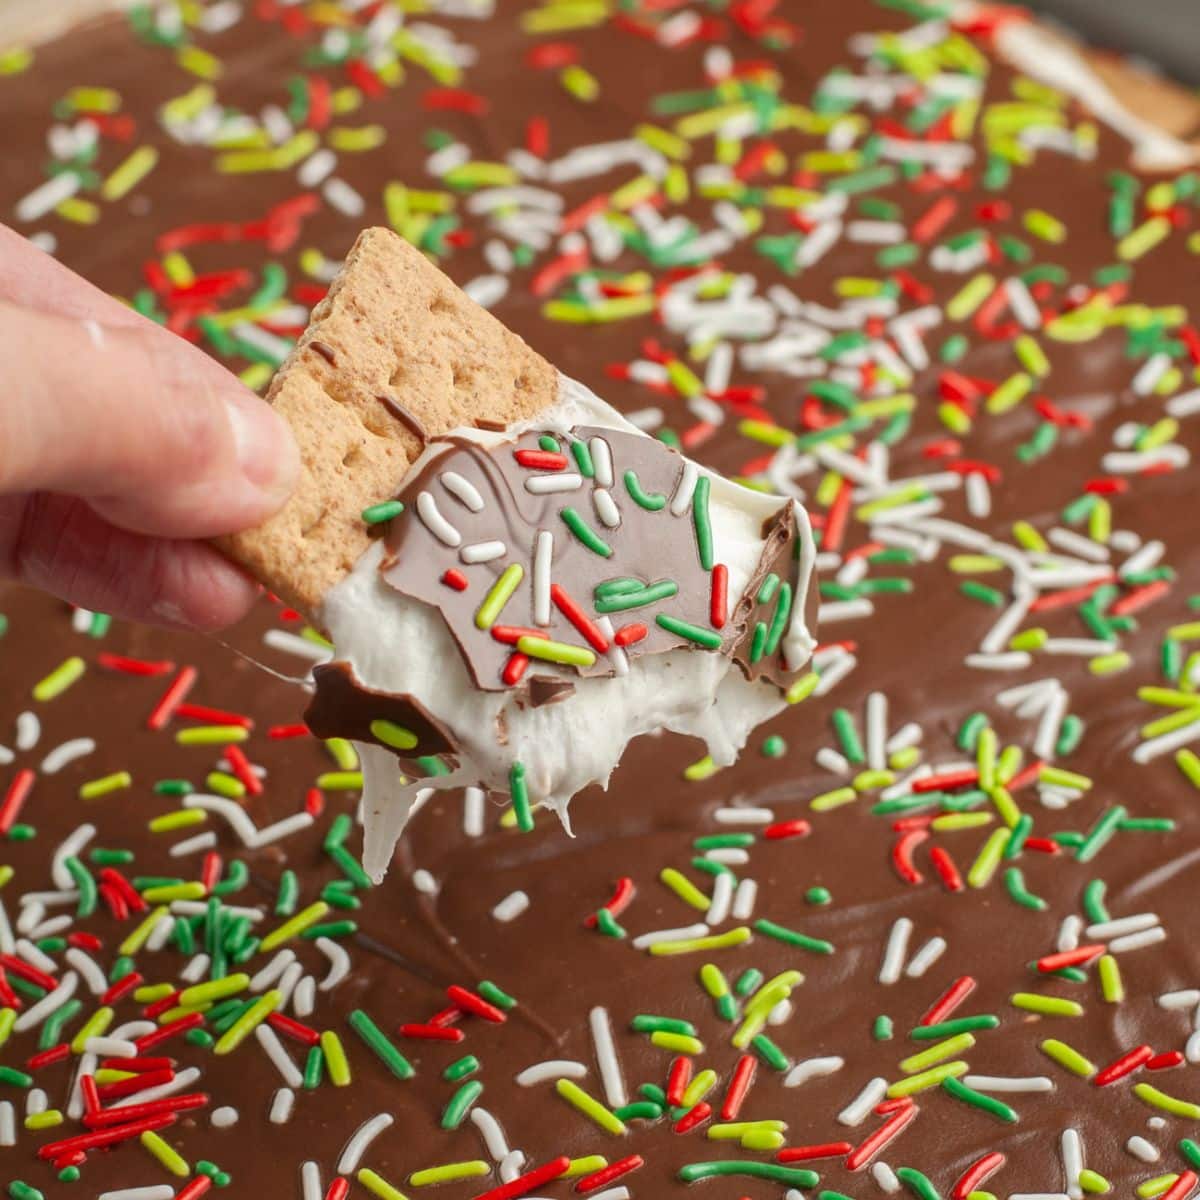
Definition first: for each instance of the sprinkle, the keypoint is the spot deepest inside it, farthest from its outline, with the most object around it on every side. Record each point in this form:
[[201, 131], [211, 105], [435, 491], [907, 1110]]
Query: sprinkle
[[498, 596], [584, 533], [59, 680]]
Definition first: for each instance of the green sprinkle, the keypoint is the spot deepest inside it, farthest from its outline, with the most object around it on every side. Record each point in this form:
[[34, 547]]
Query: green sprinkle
[[792, 938], [377, 1041], [1014, 881], [882, 1028], [932, 1033], [460, 1103], [583, 459], [637, 597], [584, 532], [769, 1052], [918, 1184], [1101, 832], [651, 501], [376, 514], [774, 746], [847, 735], [988, 1104], [978, 591], [706, 638], [520, 797], [700, 518], [793, 1176], [818, 895]]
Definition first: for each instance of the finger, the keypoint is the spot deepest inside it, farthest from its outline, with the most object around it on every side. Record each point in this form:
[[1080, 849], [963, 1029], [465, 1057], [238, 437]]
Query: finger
[[156, 435], [59, 544], [31, 278]]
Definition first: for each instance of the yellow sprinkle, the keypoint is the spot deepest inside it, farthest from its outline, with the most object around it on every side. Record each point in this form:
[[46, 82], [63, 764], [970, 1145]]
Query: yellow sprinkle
[[217, 989], [984, 866], [584, 1166], [95, 788], [1049, 1006], [1010, 393], [559, 18], [137, 939], [1187, 761], [926, 1079], [391, 734], [1170, 1104], [43, 1120], [153, 992], [61, 678], [295, 926], [366, 137], [169, 893], [663, 141], [225, 785], [684, 888], [677, 1043], [250, 1020], [378, 1186], [954, 418], [833, 799], [702, 768], [951, 822], [582, 84], [947, 1048], [589, 1106], [703, 1083], [733, 937], [6, 874], [1155, 1186], [343, 753], [1143, 239], [184, 818], [211, 735], [1109, 664], [450, 1172], [498, 596], [335, 1059], [94, 99], [8, 1018], [167, 1155], [199, 62], [94, 1026], [129, 173], [15, 60], [340, 781]]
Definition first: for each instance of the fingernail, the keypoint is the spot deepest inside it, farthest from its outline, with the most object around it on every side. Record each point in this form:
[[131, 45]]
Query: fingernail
[[266, 450]]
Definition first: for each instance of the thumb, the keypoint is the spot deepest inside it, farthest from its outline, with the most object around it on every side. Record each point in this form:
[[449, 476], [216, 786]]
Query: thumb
[[154, 434]]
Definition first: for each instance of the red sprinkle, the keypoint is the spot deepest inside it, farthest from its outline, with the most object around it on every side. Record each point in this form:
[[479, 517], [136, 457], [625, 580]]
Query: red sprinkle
[[239, 764], [22, 969], [1070, 958], [105, 1137], [973, 1177], [339, 1189], [718, 609], [935, 218], [476, 1005], [791, 1154], [195, 1188], [796, 827], [210, 870], [679, 1076], [15, 797], [541, 460], [213, 716], [947, 781], [1164, 1061], [454, 578], [631, 634], [454, 100], [614, 1171], [1181, 1188], [171, 699], [622, 896], [551, 56], [432, 1033], [514, 669], [524, 1184], [109, 1117], [47, 1058], [887, 1132], [902, 855], [1129, 1062], [279, 733], [739, 1086], [571, 609], [696, 1115], [304, 1034], [133, 666], [946, 869], [949, 1000], [166, 1032], [1140, 598]]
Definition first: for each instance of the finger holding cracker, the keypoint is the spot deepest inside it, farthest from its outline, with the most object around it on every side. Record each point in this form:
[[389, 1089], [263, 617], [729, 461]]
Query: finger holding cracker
[[516, 581]]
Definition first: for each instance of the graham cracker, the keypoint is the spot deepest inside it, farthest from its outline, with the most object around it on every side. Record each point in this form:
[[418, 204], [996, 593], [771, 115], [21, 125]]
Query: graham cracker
[[391, 327]]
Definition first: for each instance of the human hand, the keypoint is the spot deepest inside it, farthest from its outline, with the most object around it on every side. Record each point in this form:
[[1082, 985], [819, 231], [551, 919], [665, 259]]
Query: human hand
[[120, 446]]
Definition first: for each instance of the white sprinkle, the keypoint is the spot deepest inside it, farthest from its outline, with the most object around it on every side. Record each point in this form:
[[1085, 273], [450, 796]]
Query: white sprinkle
[[1068, 933], [1072, 1160], [997, 637], [491, 1132], [834, 673], [182, 1081], [557, 1068], [290, 643], [317, 168], [282, 1104], [433, 520], [1165, 743], [1137, 941], [224, 1117], [735, 815], [812, 1068], [907, 735], [1106, 930], [602, 466], [473, 811], [606, 507], [926, 957], [844, 610], [273, 970], [47, 196], [621, 1192], [89, 970], [511, 907], [681, 499], [339, 963], [160, 934], [70, 847], [1191, 1050], [1188, 998], [510, 1168], [1024, 306], [552, 484], [487, 290], [979, 495], [50, 1003], [201, 841], [744, 898], [424, 882], [1010, 1083], [1013, 660], [36, 1101], [894, 952], [195, 969], [876, 722], [343, 197], [8, 1124], [463, 490], [363, 1136], [1077, 544], [304, 1001], [722, 898], [679, 934], [831, 760], [606, 1057], [543, 558], [157, 1191], [288, 984], [1150, 373], [68, 752], [1140, 1148], [857, 1111], [481, 552], [29, 729], [268, 1039], [885, 1177], [1185, 404]]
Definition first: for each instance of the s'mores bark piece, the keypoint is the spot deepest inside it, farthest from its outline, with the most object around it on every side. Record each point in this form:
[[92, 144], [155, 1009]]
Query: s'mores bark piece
[[516, 581]]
